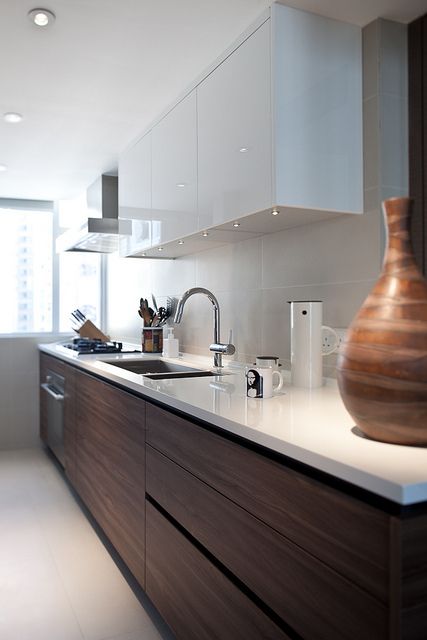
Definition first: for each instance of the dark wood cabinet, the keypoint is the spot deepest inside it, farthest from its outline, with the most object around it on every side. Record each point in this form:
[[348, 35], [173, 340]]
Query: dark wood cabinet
[[330, 565], [195, 598], [284, 576], [110, 478], [230, 542]]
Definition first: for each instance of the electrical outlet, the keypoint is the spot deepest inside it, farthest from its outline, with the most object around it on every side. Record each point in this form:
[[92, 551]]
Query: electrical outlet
[[329, 339]]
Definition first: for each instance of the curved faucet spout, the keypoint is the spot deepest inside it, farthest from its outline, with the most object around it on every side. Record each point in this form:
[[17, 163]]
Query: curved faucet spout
[[217, 347]]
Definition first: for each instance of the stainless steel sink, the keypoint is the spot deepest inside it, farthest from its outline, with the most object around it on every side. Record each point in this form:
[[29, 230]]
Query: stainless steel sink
[[159, 369]]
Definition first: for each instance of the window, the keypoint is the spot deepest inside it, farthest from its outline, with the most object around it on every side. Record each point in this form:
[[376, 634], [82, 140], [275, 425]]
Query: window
[[79, 287], [39, 289], [79, 272], [26, 293]]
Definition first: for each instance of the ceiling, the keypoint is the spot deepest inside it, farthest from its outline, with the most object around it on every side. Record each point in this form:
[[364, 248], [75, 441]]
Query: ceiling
[[92, 82]]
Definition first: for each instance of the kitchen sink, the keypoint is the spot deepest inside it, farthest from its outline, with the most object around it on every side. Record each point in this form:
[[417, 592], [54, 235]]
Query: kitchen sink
[[161, 370]]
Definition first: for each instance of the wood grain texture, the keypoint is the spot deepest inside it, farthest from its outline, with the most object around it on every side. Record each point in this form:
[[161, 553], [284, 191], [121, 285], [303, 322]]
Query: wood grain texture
[[408, 581], [314, 600], [111, 465], [194, 597], [342, 532], [382, 365]]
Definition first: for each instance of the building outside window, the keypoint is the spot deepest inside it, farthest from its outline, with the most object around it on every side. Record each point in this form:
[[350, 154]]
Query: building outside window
[[38, 289]]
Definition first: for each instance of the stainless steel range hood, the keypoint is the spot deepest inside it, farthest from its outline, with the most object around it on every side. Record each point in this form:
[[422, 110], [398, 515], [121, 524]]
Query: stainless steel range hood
[[101, 234]]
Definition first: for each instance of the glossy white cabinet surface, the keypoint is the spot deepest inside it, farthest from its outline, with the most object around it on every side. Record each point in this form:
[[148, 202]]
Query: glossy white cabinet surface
[[317, 97], [234, 133], [174, 173], [135, 195]]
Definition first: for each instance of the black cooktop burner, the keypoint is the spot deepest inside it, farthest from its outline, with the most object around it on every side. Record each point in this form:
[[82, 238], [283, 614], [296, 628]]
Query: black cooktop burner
[[89, 345]]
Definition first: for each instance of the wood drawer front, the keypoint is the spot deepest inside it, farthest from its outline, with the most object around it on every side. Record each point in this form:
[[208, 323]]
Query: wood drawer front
[[121, 516], [343, 532], [197, 601], [112, 422], [312, 598], [111, 465]]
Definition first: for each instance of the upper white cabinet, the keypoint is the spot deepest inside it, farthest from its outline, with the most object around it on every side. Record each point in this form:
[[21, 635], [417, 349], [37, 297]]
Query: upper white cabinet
[[135, 195], [234, 134], [174, 173], [317, 112], [275, 124]]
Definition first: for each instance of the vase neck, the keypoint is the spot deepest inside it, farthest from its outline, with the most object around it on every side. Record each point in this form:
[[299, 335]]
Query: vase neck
[[399, 253]]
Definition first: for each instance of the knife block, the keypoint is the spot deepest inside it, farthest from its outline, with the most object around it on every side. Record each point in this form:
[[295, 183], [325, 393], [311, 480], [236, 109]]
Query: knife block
[[89, 330]]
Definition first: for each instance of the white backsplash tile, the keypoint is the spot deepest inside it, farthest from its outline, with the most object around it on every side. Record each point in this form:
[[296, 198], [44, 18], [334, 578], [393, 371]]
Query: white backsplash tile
[[338, 250], [236, 266]]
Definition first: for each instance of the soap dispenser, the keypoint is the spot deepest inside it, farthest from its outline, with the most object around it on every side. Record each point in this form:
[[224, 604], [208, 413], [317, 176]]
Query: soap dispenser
[[170, 345]]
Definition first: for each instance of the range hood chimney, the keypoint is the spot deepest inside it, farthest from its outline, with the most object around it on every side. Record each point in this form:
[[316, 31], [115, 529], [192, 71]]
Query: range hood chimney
[[98, 235]]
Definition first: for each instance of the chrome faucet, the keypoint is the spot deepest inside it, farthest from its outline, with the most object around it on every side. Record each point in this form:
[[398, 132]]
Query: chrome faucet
[[217, 346]]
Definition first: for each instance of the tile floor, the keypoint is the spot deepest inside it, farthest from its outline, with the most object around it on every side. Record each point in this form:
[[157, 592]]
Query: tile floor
[[57, 579]]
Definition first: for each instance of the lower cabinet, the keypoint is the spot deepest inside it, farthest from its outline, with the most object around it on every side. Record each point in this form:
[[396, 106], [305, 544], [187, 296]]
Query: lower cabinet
[[195, 598], [230, 543], [110, 476], [327, 565]]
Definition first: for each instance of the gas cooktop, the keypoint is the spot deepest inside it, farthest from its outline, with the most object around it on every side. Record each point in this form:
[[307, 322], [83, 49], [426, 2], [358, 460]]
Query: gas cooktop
[[90, 345]]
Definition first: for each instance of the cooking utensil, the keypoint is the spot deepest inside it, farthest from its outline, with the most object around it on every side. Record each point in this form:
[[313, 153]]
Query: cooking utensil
[[154, 303]]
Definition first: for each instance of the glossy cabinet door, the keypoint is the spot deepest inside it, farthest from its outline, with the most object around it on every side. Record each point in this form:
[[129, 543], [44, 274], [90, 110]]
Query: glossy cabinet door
[[174, 173], [234, 133], [135, 195], [317, 88]]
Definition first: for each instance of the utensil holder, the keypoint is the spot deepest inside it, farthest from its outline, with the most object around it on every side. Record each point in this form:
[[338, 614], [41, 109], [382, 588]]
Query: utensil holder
[[152, 340]]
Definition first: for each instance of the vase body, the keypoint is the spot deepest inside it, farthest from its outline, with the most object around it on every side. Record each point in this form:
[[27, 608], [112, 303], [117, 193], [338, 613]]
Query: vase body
[[382, 365]]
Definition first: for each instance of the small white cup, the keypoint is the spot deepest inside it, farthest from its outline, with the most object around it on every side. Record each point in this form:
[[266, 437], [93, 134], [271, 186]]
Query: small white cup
[[259, 382]]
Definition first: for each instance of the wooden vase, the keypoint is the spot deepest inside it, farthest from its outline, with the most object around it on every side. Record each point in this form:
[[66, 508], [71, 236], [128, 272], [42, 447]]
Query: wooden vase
[[382, 365]]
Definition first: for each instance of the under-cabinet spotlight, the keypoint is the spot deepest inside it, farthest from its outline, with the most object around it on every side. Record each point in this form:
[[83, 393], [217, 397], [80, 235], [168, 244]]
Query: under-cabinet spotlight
[[275, 212], [181, 185], [41, 17], [244, 149], [205, 233], [236, 224], [160, 249], [180, 241], [12, 117]]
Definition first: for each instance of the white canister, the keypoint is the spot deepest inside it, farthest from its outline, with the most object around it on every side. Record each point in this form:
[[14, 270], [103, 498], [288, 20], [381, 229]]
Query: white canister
[[306, 343]]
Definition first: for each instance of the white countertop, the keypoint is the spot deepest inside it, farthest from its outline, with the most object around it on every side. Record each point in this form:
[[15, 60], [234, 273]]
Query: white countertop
[[312, 427]]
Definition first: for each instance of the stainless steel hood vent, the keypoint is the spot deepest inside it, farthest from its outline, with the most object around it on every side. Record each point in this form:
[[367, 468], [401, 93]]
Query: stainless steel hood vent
[[98, 235]]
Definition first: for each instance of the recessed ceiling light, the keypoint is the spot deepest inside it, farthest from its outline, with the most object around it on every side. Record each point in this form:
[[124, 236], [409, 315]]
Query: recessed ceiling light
[[3, 167], [236, 224], [244, 149], [41, 17], [180, 241], [275, 212], [12, 117], [205, 233]]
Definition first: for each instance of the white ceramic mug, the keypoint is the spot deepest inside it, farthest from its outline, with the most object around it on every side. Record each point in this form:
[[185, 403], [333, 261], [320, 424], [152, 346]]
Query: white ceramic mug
[[259, 382]]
